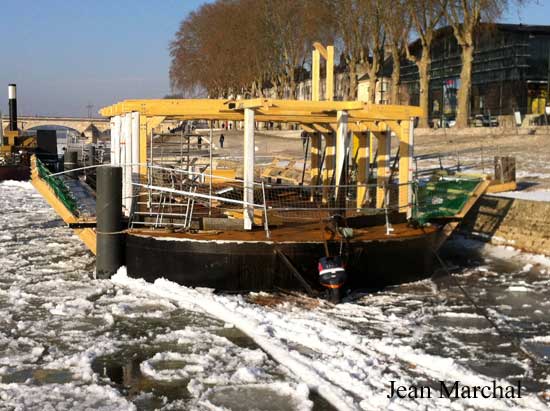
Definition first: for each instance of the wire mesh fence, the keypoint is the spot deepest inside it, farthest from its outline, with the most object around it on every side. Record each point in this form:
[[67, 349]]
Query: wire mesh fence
[[181, 198]]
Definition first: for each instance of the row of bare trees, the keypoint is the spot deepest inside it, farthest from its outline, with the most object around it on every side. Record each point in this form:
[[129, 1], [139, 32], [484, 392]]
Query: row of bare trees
[[243, 46]]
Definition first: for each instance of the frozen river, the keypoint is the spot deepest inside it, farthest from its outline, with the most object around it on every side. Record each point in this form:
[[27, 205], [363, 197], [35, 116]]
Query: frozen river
[[69, 343]]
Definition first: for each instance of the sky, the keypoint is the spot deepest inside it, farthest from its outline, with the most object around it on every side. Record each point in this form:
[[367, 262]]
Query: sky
[[66, 54]]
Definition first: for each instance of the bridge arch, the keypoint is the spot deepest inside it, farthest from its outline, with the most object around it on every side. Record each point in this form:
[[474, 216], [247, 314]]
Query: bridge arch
[[79, 124]]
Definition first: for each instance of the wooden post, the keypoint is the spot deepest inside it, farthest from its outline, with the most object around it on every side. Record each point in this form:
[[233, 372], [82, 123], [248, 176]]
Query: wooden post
[[330, 157], [371, 147], [315, 158], [363, 165], [505, 169], [406, 135], [248, 173], [315, 74], [383, 169], [329, 90], [342, 144]]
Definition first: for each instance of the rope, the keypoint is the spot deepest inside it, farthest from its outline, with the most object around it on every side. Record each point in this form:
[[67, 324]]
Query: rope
[[112, 232]]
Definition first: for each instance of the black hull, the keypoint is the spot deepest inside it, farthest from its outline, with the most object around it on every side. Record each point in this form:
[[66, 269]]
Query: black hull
[[18, 173], [239, 266]]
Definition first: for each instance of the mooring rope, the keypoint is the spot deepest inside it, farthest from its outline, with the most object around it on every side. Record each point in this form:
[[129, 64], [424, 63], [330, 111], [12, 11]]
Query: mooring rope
[[512, 335], [112, 232]]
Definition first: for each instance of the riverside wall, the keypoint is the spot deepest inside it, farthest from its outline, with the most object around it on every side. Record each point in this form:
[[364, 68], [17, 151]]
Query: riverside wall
[[523, 224]]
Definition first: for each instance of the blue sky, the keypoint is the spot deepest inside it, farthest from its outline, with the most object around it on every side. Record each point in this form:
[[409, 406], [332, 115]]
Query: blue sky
[[64, 54]]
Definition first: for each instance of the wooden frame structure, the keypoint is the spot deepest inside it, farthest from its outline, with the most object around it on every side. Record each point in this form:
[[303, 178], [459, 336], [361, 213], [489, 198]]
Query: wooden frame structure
[[328, 54], [332, 119]]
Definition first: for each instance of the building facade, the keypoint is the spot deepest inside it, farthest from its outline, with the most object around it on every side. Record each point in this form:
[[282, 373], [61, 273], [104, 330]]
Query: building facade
[[510, 73]]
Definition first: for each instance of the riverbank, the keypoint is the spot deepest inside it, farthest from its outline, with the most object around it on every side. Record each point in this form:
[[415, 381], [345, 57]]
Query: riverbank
[[522, 223]]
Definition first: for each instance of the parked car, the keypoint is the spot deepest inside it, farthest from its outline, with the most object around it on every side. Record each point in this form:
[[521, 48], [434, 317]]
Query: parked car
[[447, 122], [484, 120]]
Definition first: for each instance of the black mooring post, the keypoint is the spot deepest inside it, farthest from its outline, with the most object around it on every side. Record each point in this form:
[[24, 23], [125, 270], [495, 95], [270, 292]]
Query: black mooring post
[[91, 156], [110, 238], [70, 162]]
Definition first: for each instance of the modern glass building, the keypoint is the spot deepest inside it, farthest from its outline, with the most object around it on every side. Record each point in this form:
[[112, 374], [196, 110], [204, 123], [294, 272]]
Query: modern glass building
[[511, 72]]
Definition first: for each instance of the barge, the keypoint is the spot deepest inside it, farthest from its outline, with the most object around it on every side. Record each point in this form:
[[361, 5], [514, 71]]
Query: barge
[[352, 210], [180, 215]]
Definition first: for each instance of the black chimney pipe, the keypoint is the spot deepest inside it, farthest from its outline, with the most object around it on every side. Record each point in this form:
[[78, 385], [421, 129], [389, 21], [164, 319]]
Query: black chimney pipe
[[12, 95]]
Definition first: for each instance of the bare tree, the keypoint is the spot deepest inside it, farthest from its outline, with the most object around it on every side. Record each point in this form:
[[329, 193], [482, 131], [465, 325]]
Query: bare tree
[[426, 15], [376, 40], [220, 48], [292, 31], [465, 16], [398, 26], [361, 38]]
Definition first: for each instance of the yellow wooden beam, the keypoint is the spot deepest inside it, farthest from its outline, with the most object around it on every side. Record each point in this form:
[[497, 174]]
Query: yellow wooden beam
[[386, 112], [329, 90], [362, 167], [88, 237], [269, 110], [308, 128], [383, 169], [405, 164], [330, 164], [316, 145], [363, 126], [321, 49], [315, 75], [47, 193]]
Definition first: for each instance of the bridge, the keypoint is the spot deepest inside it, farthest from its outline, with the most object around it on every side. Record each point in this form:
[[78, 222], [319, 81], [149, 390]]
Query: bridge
[[80, 124], [90, 127]]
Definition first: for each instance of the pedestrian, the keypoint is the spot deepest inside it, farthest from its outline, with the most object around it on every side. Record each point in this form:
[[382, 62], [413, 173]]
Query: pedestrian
[[222, 138], [199, 142]]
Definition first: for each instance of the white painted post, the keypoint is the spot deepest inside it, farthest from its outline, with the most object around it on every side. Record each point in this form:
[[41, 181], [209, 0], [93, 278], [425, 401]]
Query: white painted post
[[135, 144], [115, 140], [122, 161], [127, 201], [342, 145], [248, 174]]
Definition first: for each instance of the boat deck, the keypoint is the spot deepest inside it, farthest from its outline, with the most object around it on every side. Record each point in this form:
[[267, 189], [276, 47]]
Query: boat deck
[[310, 232], [84, 196]]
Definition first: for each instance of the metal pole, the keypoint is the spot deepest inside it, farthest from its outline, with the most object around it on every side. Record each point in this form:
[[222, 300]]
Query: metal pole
[[266, 222], [305, 160]]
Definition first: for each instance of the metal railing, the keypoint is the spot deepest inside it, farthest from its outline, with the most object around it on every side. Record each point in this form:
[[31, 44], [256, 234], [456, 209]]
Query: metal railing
[[179, 198]]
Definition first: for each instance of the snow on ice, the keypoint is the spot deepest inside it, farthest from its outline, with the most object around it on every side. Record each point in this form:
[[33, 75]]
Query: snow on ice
[[61, 332]]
